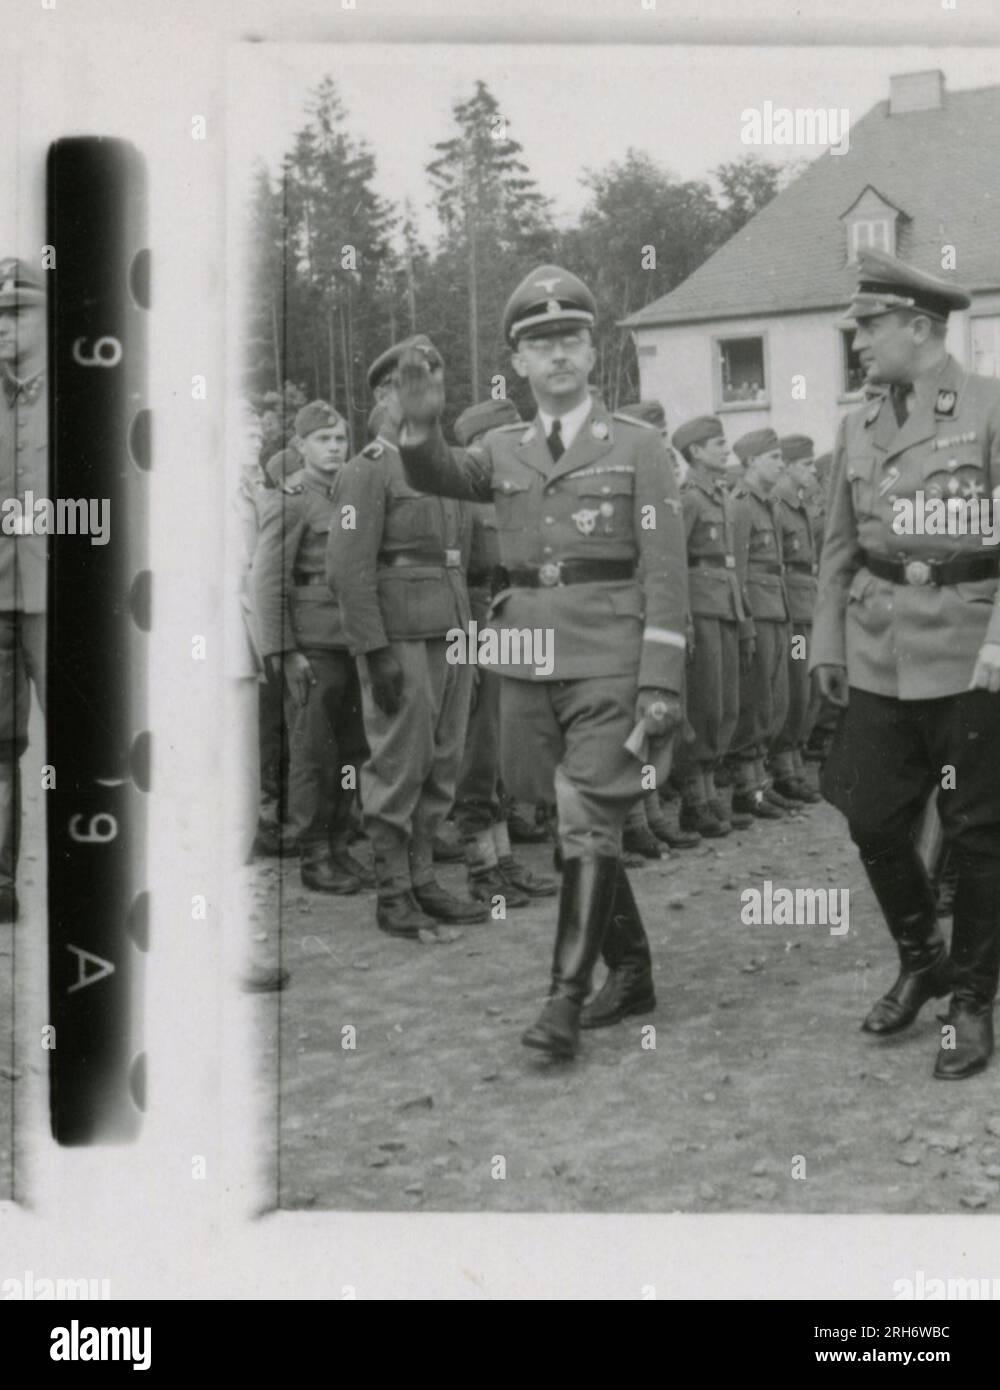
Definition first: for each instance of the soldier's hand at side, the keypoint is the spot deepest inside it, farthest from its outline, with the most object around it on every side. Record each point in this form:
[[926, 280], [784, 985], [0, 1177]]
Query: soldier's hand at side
[[668, 711], [420, 391], [387, 680], [300, 676], [831, 681], [986, 676]]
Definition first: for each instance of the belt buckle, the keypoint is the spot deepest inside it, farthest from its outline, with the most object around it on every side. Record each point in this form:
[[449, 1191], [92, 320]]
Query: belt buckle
[[917, 572], [452, 559], [549, 574], [730, 562]]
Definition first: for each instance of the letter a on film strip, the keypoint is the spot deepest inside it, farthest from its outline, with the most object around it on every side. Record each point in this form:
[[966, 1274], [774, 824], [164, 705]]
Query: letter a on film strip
[[99, 620]]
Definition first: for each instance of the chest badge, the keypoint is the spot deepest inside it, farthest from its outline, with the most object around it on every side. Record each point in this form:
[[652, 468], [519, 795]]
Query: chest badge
[[586, 520], [713, 533], [945, 403]]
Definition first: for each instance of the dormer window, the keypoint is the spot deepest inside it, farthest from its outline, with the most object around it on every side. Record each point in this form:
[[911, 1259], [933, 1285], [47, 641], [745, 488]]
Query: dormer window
[[871, 220]]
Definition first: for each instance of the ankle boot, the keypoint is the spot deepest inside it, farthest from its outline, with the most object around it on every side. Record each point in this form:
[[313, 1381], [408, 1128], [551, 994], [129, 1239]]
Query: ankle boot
[[585, 902], [637, 838], [663, 820], [628, 988], [899, 881], [975, 965]]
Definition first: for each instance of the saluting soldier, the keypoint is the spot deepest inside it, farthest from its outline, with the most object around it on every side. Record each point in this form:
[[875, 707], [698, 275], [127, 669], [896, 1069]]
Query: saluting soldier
[[302, 636], [481, 808], [23, 468], [907, 642], [396, 561], [591, 541], [792, 499], [723, 630], [764, 689]]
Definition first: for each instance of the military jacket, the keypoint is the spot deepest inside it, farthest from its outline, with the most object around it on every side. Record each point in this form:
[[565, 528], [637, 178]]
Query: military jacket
[[612, 496], [758, 555], [909, 641], [709, 522], [24, 467], [798, 550], [400, 572], [293, 604]]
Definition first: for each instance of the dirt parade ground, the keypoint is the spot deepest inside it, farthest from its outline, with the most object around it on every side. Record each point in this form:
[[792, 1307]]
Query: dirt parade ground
[[754, 1090]]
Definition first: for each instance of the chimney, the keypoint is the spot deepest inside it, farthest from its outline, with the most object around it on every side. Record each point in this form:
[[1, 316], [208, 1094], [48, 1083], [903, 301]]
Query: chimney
[[916, 91]]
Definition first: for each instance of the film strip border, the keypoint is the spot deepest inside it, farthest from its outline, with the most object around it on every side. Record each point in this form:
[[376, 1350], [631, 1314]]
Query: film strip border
[[99, 618]]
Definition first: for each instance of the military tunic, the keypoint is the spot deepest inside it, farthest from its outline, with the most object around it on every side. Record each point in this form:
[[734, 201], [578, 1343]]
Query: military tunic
[[477, 799], [610, 499], [764, 691], [399, 573], [910, 648], [799, 555], [296, 611]]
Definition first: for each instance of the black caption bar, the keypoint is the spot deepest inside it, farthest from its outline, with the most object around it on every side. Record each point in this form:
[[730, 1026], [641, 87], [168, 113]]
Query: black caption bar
[[98, 605]]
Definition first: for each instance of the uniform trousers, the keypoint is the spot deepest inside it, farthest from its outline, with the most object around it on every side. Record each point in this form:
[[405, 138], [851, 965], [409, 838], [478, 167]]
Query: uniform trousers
[[408, 782], [327, 737], [802, 702], [22, 664], [563, 741], [763, 692], [713, 691], [888, 754]]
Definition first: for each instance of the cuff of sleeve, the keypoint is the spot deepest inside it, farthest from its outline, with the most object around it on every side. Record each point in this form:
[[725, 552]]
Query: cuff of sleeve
[[661, 666]]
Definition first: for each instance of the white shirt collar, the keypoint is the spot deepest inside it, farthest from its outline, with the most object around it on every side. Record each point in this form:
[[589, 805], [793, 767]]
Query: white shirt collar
[[571, 422]]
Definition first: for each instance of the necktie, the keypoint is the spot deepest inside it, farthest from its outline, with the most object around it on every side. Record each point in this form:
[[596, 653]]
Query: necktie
[[554, 441], [900, 396]]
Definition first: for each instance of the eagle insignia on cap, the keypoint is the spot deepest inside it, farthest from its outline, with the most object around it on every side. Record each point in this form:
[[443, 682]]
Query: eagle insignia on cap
[[549, 286], [945, 403]]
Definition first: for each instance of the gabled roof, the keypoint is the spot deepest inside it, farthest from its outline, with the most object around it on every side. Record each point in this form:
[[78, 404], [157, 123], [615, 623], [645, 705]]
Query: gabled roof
[[941, 165]]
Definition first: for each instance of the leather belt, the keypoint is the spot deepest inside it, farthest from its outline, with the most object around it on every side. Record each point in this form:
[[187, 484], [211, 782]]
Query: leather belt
[[799, 567], [405, 559], [766, 566], [303, 581], [963, 569], [556, 572], [718, 562]]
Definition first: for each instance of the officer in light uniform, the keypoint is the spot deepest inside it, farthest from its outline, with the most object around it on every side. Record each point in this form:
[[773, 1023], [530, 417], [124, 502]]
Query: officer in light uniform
[[792, 500], [907, 642], [302, 636], [396, 561], [591, 541], [23, 468], [764, 691]]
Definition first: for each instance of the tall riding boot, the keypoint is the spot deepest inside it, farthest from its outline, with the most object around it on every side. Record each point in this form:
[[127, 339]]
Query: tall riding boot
[[628, 988], [975, 965], [585, 902], [899, 881]]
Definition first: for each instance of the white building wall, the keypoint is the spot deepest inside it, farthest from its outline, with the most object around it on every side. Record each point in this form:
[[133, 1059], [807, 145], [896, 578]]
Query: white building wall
[[681, 372]]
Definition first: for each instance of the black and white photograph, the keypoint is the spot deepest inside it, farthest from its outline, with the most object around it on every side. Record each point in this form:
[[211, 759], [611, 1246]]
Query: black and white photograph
[[619, 440]]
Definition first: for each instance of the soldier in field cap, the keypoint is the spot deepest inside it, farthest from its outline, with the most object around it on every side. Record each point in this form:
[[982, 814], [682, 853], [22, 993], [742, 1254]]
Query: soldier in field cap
[[23, 469], [723, 629], [592, 548], [792, 502], [764, 691], [906, 643], [396, 560], [481, 808]]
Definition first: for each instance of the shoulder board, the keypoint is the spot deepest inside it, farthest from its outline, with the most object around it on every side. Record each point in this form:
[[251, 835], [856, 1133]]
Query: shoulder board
[[372, 451], [631, 420]]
